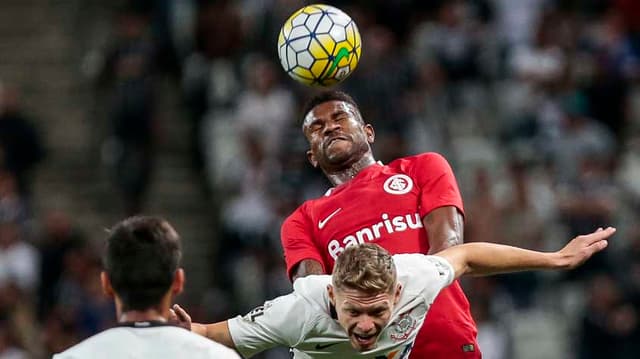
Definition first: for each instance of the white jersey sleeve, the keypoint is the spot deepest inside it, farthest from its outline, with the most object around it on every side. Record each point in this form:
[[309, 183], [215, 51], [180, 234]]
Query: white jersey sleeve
[[424, 275], [279, 322]]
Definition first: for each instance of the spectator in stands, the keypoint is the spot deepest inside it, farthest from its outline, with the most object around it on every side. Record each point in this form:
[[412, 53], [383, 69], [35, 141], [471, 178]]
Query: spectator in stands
[[12, 204], [59, 238], [610, 327], [129, 75], [19, 260], [78, 292], [21, 147], [210, 74], [17, 316], [9, 346]]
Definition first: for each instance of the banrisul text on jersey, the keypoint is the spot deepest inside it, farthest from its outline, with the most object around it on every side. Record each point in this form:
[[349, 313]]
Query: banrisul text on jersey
[[376, 231]]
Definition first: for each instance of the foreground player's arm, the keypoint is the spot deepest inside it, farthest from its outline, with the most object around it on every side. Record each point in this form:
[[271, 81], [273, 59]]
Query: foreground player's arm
[[445, 228], [490, 258]]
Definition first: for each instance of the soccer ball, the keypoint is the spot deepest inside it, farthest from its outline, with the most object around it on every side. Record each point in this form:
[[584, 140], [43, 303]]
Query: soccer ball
[[319, 45]]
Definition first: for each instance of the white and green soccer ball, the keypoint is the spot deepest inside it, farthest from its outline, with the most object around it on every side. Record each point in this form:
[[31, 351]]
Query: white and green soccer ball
[[319, 45]]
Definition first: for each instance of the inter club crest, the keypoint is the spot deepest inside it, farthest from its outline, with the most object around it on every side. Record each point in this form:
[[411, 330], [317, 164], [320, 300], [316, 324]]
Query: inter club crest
[[398, 184]]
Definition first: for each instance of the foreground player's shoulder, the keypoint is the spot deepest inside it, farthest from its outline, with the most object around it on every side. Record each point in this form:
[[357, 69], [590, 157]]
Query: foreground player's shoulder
[[196, 344], [93, 346], [163, 341]]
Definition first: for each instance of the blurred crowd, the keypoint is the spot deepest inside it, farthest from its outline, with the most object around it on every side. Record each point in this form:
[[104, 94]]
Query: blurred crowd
[[535, 103], [49, 295]]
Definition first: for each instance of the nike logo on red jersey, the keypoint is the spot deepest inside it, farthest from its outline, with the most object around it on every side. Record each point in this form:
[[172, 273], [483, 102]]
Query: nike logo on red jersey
[[322, 223]]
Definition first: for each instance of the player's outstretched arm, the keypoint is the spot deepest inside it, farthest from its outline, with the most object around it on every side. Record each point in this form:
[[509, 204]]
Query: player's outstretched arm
[[490, 258], [218, 332]]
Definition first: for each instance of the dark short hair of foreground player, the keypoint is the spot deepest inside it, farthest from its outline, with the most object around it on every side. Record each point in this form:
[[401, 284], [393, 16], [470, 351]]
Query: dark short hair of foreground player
[[374, 304], [142, 274]]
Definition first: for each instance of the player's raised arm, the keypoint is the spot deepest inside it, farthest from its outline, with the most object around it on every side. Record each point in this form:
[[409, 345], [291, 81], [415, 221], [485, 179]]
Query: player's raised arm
[[490, 258], [445, 228]]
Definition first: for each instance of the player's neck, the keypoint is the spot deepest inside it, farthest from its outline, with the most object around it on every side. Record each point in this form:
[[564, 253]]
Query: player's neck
[[345, 175], [157, 313], [149, 315]]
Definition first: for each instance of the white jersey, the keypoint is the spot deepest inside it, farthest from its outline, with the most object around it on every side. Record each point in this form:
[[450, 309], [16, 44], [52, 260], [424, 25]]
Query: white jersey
[[306, 322], [140, 341]]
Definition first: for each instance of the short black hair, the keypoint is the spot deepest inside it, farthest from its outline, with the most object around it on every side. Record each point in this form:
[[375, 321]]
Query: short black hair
[[141, 257], [327, 96]]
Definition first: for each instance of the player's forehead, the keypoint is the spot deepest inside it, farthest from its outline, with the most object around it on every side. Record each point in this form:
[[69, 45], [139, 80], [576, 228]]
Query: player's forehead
[[360, 299], [328, 109]]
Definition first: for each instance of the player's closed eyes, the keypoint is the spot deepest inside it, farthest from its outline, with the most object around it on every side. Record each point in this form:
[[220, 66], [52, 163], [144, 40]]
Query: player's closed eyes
[[315, 127], [338, 114], [353, 312]]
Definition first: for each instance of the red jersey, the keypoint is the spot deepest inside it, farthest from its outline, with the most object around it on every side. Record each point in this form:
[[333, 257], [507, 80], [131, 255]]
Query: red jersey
[[385, 204]]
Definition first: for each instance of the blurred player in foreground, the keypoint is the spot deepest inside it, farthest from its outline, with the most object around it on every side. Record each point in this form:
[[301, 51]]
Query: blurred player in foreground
[[410, 205], [373, 304], [142, 275]]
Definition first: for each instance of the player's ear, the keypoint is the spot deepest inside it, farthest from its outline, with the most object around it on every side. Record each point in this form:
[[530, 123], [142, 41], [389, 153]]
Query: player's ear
[[312, 159], [371, 134], [331, 293], [107, 289], [396, 298], [178, 282]]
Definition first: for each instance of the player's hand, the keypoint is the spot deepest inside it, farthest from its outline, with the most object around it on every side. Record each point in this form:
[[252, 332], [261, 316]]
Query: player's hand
[[583, 247], [179, 317]]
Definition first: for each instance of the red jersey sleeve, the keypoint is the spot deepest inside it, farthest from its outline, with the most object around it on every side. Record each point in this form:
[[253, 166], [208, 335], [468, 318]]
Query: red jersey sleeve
[[296, 235], [437, 183]]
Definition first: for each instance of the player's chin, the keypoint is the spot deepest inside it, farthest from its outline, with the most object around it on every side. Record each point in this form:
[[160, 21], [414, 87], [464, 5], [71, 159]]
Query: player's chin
[[339, 156]]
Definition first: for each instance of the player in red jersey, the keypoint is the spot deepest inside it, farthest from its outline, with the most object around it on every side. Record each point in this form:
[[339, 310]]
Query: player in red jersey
[[411, 205]]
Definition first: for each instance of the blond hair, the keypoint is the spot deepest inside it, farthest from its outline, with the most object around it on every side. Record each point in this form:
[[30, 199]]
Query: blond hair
[[366, 267]]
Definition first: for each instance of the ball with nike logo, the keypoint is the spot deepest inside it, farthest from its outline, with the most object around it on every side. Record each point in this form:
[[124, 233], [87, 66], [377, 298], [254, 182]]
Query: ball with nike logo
[[319, 45]]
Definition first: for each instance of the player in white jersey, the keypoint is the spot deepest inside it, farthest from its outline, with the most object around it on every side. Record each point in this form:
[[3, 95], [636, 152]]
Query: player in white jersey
[[373, 304], [142, 275]]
